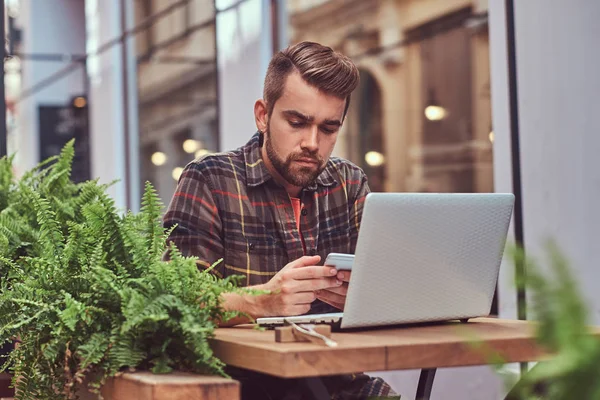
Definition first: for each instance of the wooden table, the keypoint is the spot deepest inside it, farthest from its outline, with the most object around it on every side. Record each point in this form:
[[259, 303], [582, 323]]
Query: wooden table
[[425, 347]]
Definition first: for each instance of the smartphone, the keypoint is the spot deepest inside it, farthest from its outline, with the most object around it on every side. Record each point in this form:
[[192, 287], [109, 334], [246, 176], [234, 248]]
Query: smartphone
[[340, 261]]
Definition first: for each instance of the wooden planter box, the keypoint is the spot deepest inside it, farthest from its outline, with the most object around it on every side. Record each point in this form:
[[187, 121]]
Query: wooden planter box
[[176, 386]]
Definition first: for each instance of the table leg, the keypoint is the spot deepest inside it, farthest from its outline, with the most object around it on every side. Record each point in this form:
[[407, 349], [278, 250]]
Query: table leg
[[315, 388], [425, 384]]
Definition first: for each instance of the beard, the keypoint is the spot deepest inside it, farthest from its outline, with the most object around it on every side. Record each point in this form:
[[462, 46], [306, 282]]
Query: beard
[[300, 176]]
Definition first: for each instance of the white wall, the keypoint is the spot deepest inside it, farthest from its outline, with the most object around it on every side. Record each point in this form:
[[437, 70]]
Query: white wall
[[558, 64], [103, 20], [56, 26], [558, 85], [244, 52], [60, 26]]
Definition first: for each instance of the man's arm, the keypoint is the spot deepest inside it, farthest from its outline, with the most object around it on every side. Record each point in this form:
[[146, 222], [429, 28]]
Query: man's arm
[[198, 233]]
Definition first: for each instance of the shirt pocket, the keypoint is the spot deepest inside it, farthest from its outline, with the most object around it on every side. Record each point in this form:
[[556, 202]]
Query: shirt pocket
[[257, 257]]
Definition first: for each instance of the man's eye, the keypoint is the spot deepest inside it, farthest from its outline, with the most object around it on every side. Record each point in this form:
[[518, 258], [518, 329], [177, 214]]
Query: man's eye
[[328, 130], [296, 124]]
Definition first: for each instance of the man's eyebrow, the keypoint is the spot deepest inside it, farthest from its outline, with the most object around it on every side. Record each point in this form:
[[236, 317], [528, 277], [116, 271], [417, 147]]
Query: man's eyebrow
[[298, 114], [332, 122]]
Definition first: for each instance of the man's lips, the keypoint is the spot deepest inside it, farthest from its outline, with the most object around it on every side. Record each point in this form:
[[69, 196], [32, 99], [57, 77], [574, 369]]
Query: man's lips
[[307, 161]]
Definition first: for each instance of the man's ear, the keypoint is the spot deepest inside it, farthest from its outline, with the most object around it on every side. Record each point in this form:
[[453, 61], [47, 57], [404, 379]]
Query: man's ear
[[261, 115]]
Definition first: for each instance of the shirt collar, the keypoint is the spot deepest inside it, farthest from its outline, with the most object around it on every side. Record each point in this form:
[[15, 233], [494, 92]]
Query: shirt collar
[[257, 172]]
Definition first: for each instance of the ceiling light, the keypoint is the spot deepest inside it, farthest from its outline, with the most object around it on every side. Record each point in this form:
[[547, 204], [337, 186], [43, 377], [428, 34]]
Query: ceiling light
[[374, 158], [176, 174], [158, 158], [434, 111], [191, 145], [79, 102]]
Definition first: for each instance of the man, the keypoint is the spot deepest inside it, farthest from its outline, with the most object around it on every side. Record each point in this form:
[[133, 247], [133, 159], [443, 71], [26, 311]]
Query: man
[[274, 208]]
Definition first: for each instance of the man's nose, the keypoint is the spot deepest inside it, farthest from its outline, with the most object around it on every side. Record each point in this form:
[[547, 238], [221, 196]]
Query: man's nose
[[311, 139]]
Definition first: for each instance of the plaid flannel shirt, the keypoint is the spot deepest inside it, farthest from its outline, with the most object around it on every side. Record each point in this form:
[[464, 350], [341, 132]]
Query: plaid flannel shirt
[[228, 206]]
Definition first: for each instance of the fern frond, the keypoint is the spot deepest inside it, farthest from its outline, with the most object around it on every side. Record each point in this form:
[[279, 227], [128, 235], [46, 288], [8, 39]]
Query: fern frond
[[125, 351], [51, 235], [6, 180], [151, 212], [60, 173], [94, 350]]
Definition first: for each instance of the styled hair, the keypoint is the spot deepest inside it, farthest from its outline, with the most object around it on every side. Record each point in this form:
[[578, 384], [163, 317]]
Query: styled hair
[[330, 72]]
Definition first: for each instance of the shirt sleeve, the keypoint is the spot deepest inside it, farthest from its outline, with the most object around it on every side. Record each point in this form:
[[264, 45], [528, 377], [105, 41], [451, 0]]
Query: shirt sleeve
[[356, 209], [195, 215]]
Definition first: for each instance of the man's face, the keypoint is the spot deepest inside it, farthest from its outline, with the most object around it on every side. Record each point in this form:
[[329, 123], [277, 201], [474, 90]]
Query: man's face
[[301, 132]]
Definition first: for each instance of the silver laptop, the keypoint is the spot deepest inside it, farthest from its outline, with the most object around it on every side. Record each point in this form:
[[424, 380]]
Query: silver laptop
[[422, 257]]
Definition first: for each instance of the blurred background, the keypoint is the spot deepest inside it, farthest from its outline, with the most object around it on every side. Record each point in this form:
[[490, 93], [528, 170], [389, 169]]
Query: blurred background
[[185, 82], [146, 86]]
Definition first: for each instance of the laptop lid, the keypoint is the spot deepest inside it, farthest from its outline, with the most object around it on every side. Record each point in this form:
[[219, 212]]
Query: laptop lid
[[426, 257]]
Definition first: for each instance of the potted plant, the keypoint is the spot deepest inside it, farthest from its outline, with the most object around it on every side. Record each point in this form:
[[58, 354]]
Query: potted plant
[[85, 291]]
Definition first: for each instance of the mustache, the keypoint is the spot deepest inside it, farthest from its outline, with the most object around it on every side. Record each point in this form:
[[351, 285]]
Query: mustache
[[310, 155]]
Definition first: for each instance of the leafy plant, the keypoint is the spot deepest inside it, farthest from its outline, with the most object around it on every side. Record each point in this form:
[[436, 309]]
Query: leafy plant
[[562, 326], [563, 329], [87, 293], [19, 226]]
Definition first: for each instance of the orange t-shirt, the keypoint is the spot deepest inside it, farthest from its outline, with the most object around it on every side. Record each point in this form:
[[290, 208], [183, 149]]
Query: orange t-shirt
[[297, 212]]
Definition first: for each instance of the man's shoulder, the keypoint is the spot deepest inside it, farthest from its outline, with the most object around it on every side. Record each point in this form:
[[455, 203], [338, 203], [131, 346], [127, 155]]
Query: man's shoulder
[[346, 169], [218, 164]]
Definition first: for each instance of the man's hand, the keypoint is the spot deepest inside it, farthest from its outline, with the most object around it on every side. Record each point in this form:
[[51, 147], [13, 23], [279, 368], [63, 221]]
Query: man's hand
[[336, 296], [293, 288]]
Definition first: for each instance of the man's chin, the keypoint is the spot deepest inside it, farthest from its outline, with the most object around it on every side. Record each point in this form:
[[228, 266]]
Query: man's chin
[[302, 180]]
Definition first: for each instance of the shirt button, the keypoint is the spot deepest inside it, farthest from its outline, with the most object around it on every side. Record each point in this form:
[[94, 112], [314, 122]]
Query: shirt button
[[250, 246], [304, 212]]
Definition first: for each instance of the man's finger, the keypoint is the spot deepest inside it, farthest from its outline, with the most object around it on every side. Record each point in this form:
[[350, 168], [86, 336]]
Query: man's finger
[[305, 261], [344, 276], [331, 296], [326, 299], [342, 290], [312, 272], [312, 285]]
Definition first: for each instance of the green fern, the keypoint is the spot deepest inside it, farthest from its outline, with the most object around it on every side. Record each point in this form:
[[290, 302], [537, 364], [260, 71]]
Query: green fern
[[151, 209], [6, 180], [562, 320], [86, 290]]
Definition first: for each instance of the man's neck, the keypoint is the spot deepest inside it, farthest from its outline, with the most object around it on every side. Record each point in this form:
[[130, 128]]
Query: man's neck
[[292, 191]]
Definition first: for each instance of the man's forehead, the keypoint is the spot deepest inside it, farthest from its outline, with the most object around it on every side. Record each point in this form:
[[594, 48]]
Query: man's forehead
[[309, 101]]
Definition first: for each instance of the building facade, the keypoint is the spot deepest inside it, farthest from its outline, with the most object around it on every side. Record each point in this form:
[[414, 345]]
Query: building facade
[[176, 81], [420, 119]]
